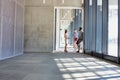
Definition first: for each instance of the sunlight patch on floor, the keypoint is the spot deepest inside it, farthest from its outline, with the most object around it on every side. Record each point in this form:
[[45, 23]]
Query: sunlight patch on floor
[[87, 68]]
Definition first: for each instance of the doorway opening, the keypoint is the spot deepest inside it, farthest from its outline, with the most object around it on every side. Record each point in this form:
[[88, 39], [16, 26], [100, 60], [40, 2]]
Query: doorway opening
[[67, 18]]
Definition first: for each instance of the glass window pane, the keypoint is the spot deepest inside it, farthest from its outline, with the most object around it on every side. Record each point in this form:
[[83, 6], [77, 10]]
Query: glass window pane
[[90, 25], [113, 28], [99, 27]]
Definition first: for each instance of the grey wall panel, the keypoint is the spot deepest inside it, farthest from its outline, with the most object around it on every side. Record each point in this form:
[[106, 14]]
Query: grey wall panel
[[8, 23], [21, 2], [8, 28], [0, 29], [8, 7], [19, 30], [7, 38]]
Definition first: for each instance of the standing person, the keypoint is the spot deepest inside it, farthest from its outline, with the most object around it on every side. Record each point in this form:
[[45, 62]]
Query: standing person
[[66, 40], [75, 36], [80, 38]]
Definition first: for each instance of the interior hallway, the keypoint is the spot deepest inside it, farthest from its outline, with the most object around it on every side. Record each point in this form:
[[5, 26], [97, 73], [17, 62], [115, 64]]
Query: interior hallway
[[57, 66]]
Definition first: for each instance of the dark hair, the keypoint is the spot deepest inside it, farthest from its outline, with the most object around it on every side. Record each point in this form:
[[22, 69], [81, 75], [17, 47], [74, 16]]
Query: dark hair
[[80, 28], [75, 29], [65, 30]]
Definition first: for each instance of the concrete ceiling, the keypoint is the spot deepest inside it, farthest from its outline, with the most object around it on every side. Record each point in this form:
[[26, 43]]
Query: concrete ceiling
[[71, 3]]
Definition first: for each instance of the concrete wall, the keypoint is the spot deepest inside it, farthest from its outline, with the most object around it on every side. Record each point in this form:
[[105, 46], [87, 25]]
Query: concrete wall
[[11, 28], [38, 29], [39, 23]]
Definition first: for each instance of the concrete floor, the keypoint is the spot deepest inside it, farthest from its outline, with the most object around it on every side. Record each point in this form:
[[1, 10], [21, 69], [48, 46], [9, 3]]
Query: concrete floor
[[57, 66]]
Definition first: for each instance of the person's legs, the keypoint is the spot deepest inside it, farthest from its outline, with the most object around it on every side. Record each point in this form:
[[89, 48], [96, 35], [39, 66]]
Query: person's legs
[[78, 47], [65, 50], [75, 46]]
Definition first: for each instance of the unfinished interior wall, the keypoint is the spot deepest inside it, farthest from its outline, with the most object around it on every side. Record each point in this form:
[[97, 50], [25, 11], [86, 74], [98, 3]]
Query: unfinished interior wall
[[39, 23], [11, 28], [38, 29]]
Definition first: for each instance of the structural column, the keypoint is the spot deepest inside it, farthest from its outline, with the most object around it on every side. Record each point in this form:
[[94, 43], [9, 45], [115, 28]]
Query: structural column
[[94, 21], [86, 24], [90, 25], [105, 27]]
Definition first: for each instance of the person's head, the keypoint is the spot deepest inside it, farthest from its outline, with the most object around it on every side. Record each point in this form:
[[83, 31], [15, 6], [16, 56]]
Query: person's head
[[75, 30], [65, 30], [80, 28]]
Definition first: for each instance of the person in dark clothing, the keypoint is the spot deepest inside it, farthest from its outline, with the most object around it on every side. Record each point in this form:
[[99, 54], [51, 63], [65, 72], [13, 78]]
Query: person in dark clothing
[[80, 39]]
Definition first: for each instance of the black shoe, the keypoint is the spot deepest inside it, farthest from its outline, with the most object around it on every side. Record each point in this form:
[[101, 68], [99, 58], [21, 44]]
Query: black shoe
[[77, 51], [65, 51]]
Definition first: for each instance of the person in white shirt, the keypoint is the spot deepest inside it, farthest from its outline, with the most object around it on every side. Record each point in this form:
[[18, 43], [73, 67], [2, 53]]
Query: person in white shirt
[[75, 36], [66, 40]]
